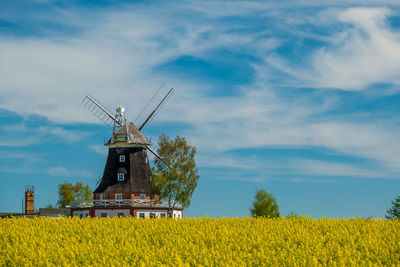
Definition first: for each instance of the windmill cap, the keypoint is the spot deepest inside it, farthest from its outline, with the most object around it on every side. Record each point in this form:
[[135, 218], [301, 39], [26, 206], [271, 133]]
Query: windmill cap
[[136, 137]]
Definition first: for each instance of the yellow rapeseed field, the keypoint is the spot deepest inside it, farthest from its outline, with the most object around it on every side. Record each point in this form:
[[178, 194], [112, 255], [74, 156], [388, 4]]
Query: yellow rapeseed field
[[199, 242]]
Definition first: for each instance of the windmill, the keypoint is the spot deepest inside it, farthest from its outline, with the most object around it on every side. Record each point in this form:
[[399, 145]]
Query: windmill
[[124, 188]]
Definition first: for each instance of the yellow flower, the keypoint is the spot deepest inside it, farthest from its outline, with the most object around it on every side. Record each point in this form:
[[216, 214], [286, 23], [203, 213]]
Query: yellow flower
[[207, 241]]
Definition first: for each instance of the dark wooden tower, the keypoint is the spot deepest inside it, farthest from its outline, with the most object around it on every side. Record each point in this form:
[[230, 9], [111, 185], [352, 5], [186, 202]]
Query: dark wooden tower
[[124, 189], [127, 169]]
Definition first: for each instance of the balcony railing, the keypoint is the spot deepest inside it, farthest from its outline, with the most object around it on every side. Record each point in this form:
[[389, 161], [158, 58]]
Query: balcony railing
[[122, 203]]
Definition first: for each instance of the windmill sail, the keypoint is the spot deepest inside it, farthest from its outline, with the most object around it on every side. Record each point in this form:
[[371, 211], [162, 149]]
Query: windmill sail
[[99, 110], [157, 156], [99, 179], [154, 106]]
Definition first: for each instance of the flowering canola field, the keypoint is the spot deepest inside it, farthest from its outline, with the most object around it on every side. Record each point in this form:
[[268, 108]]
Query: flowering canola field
[[203, 241]]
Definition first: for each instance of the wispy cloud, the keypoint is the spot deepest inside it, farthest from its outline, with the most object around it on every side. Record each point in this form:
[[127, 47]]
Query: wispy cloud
[[64, 172], [20, 135], [116, 59], [99, 149], [307, 180], [20, 162], [367, 51], [284, 166], [338, 169], [65, 135]]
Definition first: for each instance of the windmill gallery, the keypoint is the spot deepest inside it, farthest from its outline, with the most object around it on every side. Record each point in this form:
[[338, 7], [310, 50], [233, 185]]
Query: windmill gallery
[[124, 189]]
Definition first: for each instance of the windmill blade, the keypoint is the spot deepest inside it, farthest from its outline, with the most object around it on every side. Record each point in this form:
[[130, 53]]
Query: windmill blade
[[155, 111], [99, 110], [99, 179], [158, 156], [154, 105]]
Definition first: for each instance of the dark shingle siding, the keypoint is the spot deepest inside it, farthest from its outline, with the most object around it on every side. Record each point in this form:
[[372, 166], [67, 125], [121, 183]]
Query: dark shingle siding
[[137, 168]]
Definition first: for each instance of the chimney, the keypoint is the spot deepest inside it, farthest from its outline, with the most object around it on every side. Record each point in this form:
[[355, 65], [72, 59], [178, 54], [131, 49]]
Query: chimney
[[29, 190]]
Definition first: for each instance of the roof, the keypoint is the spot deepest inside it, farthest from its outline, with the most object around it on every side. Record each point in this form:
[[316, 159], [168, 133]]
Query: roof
[[135, 135], [54, 212]]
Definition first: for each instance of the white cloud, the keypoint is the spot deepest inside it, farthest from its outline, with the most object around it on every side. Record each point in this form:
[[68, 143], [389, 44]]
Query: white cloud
[[337, 169], [70, 136], [99, 149], [376, 142], [21, 162], [367, 51], [115, 57], [20, 135], [307, 180], [280, 167], [62, 171]]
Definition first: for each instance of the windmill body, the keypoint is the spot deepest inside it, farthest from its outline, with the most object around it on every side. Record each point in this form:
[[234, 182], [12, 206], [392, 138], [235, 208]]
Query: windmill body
[[124, 188], [127, 170]]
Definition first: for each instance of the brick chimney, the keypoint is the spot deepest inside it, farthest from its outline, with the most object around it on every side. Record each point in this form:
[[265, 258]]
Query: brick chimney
[[29, 198]]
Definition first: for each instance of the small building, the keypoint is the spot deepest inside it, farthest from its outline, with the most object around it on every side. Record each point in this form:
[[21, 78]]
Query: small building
[[54, 212]]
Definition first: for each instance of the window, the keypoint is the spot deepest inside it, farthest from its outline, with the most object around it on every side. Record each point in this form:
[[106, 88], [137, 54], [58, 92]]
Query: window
[[122, 158], [152, 215], [141, 215], [120, 214], [103, 215], [121, 176], [101, 197], [162, 214], [118, 196], [142, 196]]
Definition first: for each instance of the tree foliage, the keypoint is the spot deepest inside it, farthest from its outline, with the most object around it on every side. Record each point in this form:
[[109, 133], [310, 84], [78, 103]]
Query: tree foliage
[[394, 211], [175, 183], [68, 192], [264, 204]]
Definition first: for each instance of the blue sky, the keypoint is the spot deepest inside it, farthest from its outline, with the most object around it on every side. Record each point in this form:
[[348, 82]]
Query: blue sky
[[297, 97]]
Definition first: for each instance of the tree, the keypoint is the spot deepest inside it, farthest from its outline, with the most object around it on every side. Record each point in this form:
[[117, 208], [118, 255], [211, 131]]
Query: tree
[[68, 192], [394, 211], [264, 204], [175, 183]]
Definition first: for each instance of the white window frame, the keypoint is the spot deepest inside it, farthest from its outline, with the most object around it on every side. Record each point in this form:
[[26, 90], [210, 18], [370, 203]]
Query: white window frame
[[142, 197], [119, 177], [118, 196], [122, 158]]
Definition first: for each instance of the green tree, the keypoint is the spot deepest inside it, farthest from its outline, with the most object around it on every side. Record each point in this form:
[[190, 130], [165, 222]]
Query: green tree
[[264, 204], [175, 183], [68, 192], [394, 211]]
